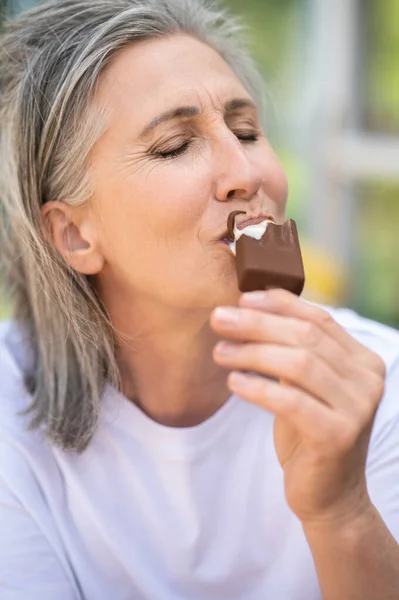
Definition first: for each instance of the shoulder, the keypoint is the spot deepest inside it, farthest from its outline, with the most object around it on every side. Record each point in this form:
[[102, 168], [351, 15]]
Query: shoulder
[[28, 468], [19, 443], [15, 362]]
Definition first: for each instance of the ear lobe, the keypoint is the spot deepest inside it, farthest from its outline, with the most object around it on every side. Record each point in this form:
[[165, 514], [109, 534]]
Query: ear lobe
[[74, 239]]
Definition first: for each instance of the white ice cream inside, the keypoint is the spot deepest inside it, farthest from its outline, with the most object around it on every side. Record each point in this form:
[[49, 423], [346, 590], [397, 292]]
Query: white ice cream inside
[[254, 231]]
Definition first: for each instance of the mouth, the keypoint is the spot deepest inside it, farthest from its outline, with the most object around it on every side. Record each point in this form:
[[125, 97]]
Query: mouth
[[255, 221], [226, 239]]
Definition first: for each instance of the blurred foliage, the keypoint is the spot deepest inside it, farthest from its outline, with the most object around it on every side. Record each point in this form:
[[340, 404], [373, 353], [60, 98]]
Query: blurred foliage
[[274, 33], [270, 29], [377, 241], [381, 48]]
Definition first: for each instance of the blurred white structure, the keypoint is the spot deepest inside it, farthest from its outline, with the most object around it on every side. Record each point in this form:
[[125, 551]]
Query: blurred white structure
[[340, 153]]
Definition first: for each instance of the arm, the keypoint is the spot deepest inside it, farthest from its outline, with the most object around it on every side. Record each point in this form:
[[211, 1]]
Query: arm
[[29, 568], [332, 387], [358, 560]]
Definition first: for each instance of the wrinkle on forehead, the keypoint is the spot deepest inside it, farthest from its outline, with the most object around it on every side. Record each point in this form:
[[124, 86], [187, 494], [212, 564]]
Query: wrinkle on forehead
[[170, 71]]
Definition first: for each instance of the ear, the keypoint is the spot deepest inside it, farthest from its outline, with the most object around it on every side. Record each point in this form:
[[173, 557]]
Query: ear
[[73, 232]]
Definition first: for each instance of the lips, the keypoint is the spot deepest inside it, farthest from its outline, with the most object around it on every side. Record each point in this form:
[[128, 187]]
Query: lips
[[245, 222], [254, 221]]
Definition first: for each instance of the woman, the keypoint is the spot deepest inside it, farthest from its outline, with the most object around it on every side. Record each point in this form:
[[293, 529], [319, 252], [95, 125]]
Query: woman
[[138, 461]]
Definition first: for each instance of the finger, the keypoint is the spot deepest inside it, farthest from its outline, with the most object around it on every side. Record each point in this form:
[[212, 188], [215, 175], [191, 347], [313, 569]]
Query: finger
[[285, 303], [362, 387], [252, 325], [311, 418], [296, 366]]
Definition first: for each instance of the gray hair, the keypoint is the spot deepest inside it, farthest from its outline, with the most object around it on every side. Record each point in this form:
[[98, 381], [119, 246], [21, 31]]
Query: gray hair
[[51, 58]]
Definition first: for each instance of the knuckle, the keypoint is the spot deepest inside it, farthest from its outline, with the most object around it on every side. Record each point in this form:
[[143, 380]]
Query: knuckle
[[302, 363], [323, 318], [372, 386], [379, 366], [349, 371], [257, 322], [293, 404], [365, 414], [296, 404], [254, 324], [259, 354], [310, 335], [373, 362], [377, 388]]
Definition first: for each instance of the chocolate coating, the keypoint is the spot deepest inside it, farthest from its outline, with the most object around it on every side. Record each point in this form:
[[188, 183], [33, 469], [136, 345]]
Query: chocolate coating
[[274, 261], [231, 221]]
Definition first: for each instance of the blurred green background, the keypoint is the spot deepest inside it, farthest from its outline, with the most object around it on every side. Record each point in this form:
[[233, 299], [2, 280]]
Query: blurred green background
[[332, 68], [332, 74]]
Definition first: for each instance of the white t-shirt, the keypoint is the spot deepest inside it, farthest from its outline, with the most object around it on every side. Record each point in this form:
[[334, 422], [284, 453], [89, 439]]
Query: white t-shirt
[[149, 512]]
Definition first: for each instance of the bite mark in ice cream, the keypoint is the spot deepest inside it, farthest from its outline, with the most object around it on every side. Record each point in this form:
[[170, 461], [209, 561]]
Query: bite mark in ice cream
[[267, 255], [255, 231]]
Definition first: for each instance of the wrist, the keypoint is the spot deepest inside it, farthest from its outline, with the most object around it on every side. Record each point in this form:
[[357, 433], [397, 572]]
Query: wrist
[[353, 510], [348, 523]]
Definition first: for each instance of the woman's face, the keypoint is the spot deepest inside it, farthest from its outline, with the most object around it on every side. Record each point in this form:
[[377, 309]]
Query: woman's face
[[183, 148]]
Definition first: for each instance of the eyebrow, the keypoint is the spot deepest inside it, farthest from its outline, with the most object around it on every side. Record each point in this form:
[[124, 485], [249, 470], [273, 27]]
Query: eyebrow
[[187, 112]]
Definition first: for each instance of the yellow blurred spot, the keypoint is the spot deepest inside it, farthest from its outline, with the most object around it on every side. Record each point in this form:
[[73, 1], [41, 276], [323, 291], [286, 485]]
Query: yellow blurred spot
[[324, 276]]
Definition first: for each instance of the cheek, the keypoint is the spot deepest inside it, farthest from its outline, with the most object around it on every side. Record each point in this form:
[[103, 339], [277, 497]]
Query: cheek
[[171, 200], [150, 214]]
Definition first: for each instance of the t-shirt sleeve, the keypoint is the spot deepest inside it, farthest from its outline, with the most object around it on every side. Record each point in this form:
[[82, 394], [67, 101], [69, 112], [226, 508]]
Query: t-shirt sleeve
[[29, 568], [383, 457]]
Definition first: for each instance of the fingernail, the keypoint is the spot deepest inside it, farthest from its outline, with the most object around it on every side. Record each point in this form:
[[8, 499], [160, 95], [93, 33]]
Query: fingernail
[[227, 315], [238, 380], [254, 298], [225, 348]]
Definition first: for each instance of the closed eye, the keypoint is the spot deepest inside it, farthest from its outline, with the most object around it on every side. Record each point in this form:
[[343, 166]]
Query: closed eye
[[250, 137], [175, 152]]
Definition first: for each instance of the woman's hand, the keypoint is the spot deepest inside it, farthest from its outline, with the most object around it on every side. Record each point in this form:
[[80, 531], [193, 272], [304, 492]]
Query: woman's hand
[[325, 406]]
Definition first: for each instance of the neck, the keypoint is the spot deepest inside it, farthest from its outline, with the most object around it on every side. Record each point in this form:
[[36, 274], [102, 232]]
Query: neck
[[165, 359]]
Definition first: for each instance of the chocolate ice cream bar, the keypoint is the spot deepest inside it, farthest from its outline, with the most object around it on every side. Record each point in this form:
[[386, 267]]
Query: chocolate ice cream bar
[[273, 260]]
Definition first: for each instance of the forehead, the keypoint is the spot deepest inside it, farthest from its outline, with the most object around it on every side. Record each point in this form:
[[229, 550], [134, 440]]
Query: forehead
[[153, 75]]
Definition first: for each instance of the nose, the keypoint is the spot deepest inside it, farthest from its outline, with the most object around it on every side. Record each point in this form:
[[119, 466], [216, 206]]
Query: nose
[[237, 177]]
